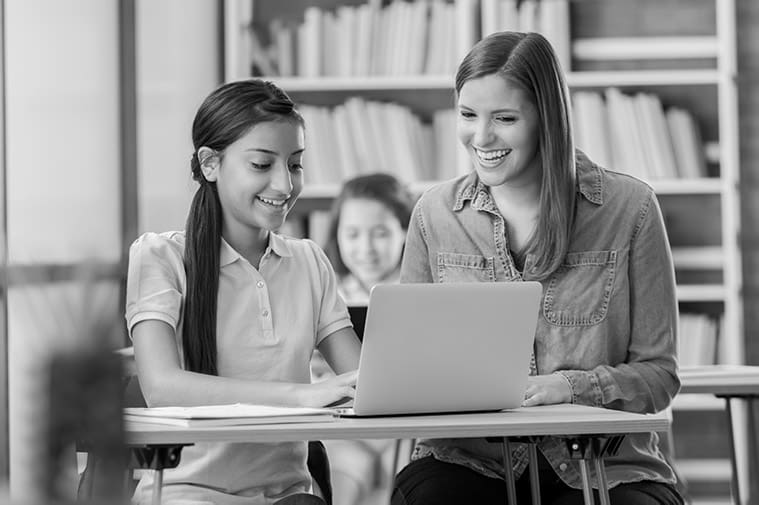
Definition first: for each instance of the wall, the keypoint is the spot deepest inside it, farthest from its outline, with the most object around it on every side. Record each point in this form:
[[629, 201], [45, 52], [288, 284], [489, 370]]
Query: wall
[[178, 62], [63, 162]]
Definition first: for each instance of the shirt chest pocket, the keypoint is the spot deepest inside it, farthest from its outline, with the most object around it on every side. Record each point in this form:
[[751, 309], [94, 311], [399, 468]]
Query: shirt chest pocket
[[455, 267], [578, 293]]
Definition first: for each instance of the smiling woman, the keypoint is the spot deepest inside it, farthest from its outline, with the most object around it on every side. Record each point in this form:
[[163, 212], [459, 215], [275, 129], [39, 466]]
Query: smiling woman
[[534, 209]]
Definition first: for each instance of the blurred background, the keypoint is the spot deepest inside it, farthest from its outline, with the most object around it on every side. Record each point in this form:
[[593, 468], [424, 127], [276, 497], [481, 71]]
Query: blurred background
[[99, 95]]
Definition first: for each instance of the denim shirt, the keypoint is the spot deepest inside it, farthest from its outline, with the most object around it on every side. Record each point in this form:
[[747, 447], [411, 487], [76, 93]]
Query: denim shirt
[[608, 315]]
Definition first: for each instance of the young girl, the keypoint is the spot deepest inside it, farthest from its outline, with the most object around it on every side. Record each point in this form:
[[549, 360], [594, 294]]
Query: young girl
[[228, 311], [535, 209], [367, 230]]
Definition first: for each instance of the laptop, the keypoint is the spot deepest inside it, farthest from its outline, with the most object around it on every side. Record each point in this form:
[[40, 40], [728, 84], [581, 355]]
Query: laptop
[[445, 347]]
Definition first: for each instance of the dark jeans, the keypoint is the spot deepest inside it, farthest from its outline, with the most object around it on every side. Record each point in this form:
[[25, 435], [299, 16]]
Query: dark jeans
[[428, 481]]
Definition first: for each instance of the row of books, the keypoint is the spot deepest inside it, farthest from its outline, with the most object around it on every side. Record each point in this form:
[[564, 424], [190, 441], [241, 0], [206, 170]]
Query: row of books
[[400, 38], [364, 136], [698, 339], [635, 134], [631, 134], [549, 17]]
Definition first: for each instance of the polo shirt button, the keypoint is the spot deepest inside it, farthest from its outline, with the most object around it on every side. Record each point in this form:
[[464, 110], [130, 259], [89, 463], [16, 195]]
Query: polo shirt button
[[563, 467], [260, 284], [265, 313]]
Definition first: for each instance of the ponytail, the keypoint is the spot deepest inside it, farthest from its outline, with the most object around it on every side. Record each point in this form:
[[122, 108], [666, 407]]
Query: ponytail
[[225, 115], [201, 260]]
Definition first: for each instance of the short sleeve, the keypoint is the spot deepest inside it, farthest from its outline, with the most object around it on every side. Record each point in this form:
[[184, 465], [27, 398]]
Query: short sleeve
[[155, 279], [332, 313]]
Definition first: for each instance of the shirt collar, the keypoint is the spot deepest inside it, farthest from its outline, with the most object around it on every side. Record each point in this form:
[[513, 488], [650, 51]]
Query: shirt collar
[[590, 183], [277, 245]]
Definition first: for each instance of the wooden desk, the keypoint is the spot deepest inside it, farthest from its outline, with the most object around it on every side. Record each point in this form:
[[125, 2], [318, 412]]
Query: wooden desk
[[585, 429], [731, 382]]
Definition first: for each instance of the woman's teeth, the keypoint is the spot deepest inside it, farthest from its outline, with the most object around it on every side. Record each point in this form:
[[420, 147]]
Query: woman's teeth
[[272, 201], [491, 157]]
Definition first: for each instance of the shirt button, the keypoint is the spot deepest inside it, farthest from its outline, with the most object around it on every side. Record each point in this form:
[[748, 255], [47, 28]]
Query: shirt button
[[265, 313], [563, 467], [260, 284]]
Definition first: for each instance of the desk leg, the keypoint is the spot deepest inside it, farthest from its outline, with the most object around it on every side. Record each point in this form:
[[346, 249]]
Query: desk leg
[[157, 485], [534, 479], [508, 470], [587, 487], [753, 449], [733, 463], [603, 484]]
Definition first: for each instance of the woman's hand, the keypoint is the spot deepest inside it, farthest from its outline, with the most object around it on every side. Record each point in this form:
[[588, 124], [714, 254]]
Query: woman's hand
[[546, 390], [330, 390]]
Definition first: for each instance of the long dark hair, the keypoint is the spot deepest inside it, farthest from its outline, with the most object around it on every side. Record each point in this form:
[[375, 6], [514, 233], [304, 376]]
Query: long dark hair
[[383, 188], [225, 115], [528, 61]]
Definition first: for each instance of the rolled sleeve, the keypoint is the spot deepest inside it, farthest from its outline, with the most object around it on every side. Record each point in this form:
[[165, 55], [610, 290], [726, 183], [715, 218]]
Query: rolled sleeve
[[584, 386], [154, 281]]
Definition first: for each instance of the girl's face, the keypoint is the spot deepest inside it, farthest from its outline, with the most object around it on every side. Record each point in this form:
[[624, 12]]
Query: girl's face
[[370, 239], [260, 176], [498, 126]]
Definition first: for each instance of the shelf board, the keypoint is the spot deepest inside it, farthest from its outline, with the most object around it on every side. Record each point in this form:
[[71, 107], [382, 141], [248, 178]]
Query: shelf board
[[701, 293], [599, 78], [706, 185], [704, 469], [330, 190], [662, 187], [363, 83], [646, 48], [698, 258], [691, 402], [339, 84]]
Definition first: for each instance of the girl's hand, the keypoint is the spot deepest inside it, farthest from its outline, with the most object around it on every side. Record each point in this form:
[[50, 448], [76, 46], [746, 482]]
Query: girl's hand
[[546, 390], [333, 390]]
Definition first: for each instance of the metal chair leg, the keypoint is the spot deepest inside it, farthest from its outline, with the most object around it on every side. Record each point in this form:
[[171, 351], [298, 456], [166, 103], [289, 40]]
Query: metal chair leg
[[603, 484], [532, 451], [508, 469], [587, 487], [157, 485]]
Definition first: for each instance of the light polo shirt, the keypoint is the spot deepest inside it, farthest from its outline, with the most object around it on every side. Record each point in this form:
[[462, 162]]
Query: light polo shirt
[[269, 321]]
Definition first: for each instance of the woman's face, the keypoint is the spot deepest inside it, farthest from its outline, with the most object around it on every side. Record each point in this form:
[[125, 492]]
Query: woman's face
[[498, 126], [370, 239], [260, 176]]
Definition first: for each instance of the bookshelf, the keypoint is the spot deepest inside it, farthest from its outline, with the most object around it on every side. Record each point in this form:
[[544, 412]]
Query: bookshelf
[[683, 52]]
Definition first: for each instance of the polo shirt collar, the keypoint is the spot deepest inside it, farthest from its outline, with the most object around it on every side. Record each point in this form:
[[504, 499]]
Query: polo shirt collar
[[277, 245]]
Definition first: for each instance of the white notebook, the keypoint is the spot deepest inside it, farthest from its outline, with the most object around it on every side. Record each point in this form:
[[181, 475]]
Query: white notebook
[[227, 415]]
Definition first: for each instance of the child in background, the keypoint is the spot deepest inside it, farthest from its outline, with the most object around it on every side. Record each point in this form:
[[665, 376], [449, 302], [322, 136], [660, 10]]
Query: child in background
[[367, 232], [229, 311]]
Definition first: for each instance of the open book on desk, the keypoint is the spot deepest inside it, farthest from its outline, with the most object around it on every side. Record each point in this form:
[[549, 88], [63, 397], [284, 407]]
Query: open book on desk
[[227, 415]]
